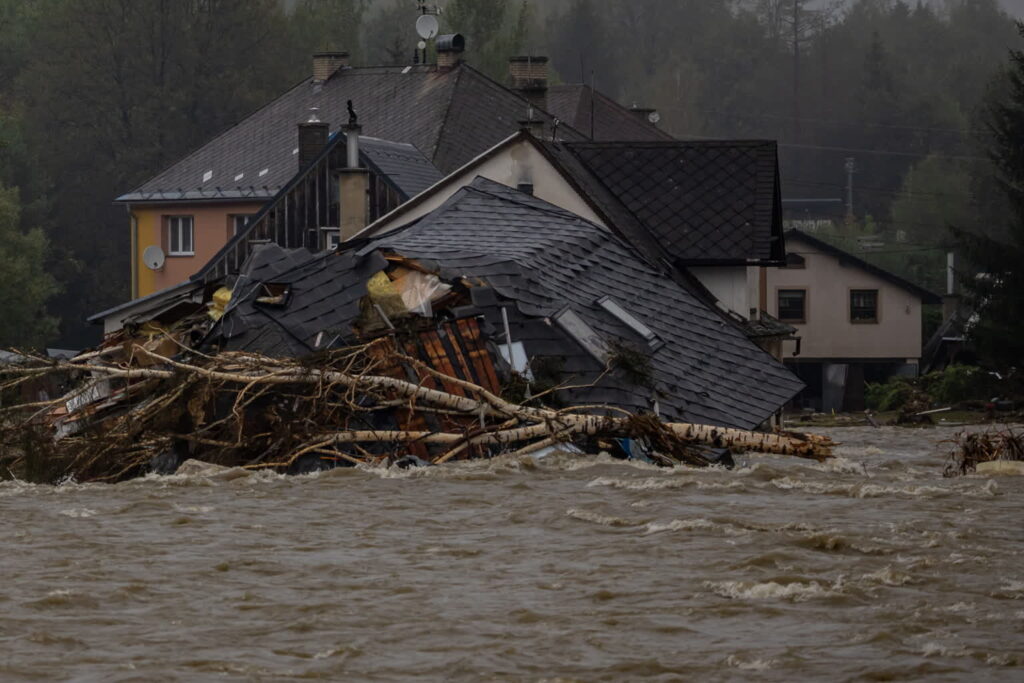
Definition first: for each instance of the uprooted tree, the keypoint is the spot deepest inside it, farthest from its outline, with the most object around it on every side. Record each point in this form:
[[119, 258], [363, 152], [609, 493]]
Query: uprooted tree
[[124, 412]]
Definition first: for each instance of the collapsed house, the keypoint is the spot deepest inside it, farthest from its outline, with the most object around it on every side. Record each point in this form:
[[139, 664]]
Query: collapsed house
[[555, 294], [496, 323]]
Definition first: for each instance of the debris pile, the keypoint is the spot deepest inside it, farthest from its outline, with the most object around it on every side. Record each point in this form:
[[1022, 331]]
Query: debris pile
[[129, 410], [971, 449]]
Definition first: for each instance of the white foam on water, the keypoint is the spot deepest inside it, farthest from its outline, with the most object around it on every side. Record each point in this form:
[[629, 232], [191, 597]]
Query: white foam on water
[[1012, 589], [666, 483], [198, 509], [78, 513], [819, 487], [693, 525], [934, 649], [888, 576], [749, 664], [796, 591], [603, 520]]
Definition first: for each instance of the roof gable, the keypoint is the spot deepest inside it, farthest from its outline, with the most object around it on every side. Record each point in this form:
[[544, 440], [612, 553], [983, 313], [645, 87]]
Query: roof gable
[[846, 258], [703, 202]]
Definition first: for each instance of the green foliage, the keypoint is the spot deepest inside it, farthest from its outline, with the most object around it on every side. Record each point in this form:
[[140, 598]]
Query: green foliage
[[998, 333], [956, 384], [494, 30], [891, 395], [25, 286]]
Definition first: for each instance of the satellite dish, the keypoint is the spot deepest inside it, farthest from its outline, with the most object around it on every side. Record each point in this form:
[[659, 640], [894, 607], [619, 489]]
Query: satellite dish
[[153, 257], [654, 117], [427, 26]]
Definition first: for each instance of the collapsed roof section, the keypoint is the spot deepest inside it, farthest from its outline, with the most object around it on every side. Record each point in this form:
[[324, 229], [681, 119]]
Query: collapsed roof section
[[565, 289]]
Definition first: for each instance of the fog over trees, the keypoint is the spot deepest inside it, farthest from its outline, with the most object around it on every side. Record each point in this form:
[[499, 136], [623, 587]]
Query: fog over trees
[[96, 96]]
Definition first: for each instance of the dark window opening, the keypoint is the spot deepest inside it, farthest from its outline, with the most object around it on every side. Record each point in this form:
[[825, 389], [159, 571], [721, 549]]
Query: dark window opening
[[864, 306], [793, 305]]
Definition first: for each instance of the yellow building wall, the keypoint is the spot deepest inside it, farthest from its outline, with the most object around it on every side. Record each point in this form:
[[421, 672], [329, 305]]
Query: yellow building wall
[[212, 226]]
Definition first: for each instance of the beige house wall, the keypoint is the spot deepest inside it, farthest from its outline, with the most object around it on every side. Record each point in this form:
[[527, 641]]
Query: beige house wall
[[520, 163], [828, 332]]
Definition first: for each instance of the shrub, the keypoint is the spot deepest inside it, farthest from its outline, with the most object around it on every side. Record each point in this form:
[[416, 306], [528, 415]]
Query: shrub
[[891, 395]]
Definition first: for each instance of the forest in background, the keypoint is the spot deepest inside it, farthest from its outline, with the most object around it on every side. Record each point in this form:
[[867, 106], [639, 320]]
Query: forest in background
[[96, 96]]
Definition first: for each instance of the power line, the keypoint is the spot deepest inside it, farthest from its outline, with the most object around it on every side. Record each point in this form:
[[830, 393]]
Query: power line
[[851, 124], [883, 152], [853, 150], [867, 188]]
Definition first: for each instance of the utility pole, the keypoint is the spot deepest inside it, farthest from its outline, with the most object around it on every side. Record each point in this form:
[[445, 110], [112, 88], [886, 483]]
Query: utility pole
[[851, 168], [796, 70]]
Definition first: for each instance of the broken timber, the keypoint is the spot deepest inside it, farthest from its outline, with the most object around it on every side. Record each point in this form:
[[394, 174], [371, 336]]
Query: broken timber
[[244, 409]]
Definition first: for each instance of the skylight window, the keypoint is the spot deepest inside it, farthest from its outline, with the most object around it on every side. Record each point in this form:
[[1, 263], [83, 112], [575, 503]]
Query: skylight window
[[632, 322], [207, 176], [570, 321], [264, 172], [239, 177]]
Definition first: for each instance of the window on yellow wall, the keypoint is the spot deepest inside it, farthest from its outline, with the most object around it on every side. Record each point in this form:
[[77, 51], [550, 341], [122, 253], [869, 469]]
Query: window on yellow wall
[[180, 236]]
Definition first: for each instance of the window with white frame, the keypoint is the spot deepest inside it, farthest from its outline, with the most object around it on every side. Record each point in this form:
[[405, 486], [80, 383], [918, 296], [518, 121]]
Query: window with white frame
[[180, 236]]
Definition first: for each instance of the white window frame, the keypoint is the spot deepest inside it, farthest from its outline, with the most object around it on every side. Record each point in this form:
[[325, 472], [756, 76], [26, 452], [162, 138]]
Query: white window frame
[[177, 228]]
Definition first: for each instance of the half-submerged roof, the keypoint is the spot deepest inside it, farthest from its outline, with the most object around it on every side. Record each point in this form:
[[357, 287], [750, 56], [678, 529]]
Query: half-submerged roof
[[846, 258], [694, 202], [545, 259]]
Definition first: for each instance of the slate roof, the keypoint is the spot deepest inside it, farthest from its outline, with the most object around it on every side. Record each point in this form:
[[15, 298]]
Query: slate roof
[[571, 103], [449, 115], [845, 257], [693, 202], [540, 258], [400, 163], [544, 257]]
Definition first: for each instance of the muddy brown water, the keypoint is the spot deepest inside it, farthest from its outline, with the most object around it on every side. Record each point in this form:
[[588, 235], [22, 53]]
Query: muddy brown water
[[870, 567]]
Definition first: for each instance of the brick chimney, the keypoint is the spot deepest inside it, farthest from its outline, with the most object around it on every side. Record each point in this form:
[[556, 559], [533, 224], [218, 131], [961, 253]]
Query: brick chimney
[[326, 64], [449, 50], [528, 76], [312, 138]]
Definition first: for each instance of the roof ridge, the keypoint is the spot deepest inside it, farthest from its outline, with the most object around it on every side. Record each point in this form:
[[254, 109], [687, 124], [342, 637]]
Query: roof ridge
[[878, 271]]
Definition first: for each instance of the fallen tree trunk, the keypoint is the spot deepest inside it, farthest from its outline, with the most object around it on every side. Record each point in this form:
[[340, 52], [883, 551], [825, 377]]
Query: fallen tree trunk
[[243, 409]]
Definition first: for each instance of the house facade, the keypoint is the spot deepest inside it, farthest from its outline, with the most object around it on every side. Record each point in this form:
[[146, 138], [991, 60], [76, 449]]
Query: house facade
[[444, 114], [856, 322]]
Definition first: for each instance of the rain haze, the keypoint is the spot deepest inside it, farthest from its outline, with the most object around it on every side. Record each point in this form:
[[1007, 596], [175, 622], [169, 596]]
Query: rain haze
[[512, 339]]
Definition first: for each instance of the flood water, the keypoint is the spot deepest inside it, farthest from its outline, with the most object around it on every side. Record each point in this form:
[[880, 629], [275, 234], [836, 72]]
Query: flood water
[[870, 567]]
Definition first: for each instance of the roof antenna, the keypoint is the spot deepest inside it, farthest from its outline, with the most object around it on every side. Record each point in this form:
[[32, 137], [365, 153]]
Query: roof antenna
[[554, 129], [352, 118]]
